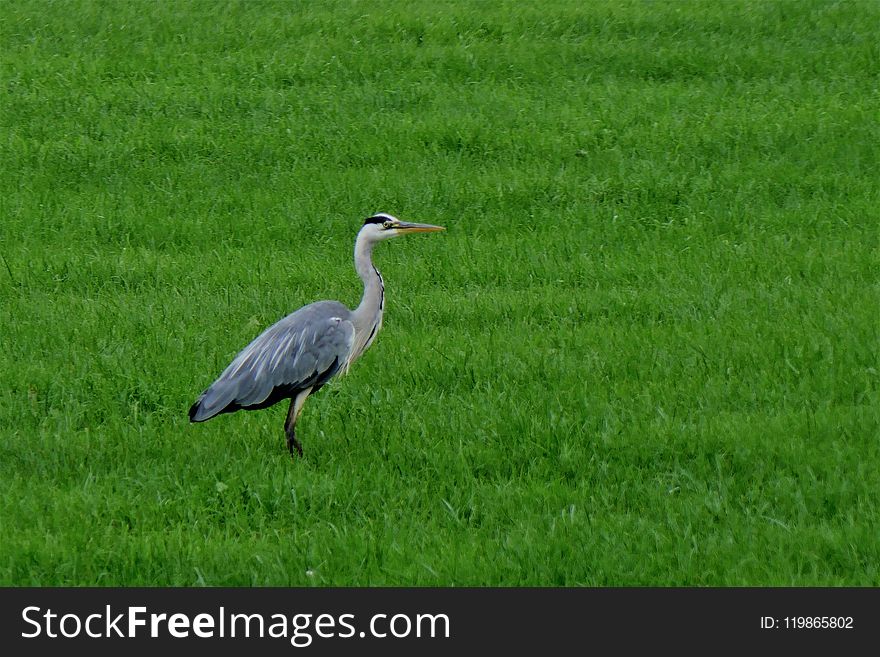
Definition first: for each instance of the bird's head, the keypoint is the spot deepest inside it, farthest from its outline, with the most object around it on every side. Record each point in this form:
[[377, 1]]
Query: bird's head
[[383, 226]]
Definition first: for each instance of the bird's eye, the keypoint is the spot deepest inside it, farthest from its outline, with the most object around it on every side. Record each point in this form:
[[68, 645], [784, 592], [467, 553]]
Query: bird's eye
[[387, 223]]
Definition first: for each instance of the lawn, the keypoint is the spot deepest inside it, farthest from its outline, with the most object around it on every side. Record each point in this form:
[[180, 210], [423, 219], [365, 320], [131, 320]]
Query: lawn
[[644, 352]]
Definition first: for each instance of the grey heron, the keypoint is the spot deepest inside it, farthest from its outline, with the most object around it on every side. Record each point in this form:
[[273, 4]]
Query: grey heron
[[297, 355]]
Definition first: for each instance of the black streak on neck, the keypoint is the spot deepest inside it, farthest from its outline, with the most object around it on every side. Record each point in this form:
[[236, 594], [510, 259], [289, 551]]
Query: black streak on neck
[[381, 289]]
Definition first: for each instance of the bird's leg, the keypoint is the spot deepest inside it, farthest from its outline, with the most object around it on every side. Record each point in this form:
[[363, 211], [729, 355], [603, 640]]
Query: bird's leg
[[290, 430], [296, 405]]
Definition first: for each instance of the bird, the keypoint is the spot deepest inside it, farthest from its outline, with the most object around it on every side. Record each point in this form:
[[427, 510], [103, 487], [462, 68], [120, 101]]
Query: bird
[[300, 353]]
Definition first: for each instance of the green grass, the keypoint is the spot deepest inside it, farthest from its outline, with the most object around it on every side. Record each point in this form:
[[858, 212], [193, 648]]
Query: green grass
[[644, 352]]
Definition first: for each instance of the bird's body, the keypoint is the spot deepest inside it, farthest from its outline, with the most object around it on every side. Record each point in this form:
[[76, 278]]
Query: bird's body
[[300, 351], [297, 355]]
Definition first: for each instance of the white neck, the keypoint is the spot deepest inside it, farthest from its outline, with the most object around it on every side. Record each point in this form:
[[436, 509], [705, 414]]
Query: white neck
[[367, 317]]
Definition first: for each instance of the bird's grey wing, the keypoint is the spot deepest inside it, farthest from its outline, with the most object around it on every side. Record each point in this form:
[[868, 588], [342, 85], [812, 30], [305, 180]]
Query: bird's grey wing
[[301, 350]]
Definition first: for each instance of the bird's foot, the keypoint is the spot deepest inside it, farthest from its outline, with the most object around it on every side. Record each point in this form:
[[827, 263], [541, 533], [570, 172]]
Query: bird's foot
[[293, 444]]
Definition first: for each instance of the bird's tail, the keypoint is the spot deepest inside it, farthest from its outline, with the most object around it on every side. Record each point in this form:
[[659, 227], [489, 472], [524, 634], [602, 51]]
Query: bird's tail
[[195, 412], [210, 403]]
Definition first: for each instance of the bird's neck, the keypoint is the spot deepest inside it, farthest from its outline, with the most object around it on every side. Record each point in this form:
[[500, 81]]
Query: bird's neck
[[367, 317]]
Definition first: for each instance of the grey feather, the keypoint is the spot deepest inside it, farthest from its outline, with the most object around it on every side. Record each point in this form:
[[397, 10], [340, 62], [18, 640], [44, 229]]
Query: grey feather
[[301, 350]]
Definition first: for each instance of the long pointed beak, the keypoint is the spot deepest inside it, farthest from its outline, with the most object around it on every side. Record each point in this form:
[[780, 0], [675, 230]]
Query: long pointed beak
[[404, 226]]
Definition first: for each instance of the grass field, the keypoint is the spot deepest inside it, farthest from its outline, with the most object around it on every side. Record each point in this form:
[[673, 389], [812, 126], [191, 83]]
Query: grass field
[[645, 351]]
